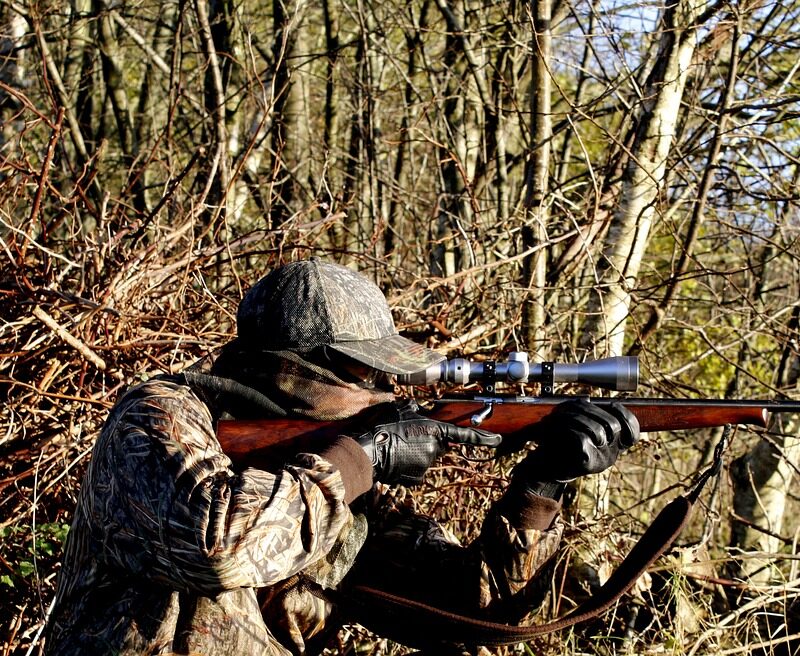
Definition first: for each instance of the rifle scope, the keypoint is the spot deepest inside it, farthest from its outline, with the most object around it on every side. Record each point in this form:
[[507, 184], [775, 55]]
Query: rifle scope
[[618, 373]]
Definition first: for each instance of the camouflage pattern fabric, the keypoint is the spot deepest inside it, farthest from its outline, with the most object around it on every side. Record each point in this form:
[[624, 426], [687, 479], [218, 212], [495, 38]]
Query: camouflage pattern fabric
[[171, 551], [503, 576], [169, 545], [299, 386], [330, 305]]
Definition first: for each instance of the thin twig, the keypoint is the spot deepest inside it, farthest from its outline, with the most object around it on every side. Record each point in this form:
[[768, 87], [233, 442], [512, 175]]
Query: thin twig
[[69, 339]]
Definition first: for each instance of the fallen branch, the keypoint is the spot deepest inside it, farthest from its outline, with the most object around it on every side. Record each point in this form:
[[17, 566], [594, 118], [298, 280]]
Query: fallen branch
[[69, 339]]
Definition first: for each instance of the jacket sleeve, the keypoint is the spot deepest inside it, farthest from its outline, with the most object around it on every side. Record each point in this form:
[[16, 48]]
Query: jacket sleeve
[[166, 504], [502, 575], [515, 563]]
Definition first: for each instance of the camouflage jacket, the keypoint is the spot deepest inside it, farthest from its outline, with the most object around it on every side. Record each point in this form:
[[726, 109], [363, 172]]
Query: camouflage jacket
[[172, 551]]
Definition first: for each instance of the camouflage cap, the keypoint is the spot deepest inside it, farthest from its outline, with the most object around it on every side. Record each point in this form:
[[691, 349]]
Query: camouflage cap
[[312, 303]]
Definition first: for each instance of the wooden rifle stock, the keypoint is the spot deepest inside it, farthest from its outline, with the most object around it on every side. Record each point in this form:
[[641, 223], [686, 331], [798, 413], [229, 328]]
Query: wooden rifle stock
[[255, 441]]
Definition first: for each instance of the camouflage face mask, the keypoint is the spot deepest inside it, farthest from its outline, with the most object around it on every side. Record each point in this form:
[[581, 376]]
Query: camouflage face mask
[[298, 382]]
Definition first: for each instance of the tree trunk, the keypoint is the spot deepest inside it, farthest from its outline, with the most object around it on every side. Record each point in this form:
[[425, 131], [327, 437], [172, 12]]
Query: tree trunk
[[288, 110], [115, 82], [698, 211], [395, 212], [12, 72], [629, 232], [762, 479], [534, 232], [215, 41], [459, 148]]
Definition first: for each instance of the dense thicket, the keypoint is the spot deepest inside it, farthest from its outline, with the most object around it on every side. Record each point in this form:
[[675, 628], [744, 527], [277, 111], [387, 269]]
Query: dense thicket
[[574, 179]]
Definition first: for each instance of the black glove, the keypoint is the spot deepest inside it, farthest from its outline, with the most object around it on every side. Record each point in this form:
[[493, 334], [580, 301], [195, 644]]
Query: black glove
[[578, 438], [405, 447]]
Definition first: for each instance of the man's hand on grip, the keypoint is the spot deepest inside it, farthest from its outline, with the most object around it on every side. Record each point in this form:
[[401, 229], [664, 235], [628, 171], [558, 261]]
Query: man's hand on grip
[[404, 448]]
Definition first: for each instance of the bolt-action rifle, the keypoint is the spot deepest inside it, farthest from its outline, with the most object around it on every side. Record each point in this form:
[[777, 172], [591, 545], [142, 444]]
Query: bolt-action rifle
[[504, 413], [409, 621]]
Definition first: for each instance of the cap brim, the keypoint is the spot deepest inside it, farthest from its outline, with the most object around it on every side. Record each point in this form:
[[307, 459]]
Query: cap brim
[[394, 355]]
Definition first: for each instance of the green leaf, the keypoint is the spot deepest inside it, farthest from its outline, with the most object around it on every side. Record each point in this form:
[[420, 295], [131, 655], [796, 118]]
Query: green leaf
[[25, 568]]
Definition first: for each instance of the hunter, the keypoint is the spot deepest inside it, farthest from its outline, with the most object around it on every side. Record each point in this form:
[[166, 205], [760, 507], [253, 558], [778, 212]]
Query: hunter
[[173, 550]]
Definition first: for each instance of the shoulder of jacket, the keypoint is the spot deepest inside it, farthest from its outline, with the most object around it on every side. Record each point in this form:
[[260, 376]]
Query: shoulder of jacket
[[161, 386]]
